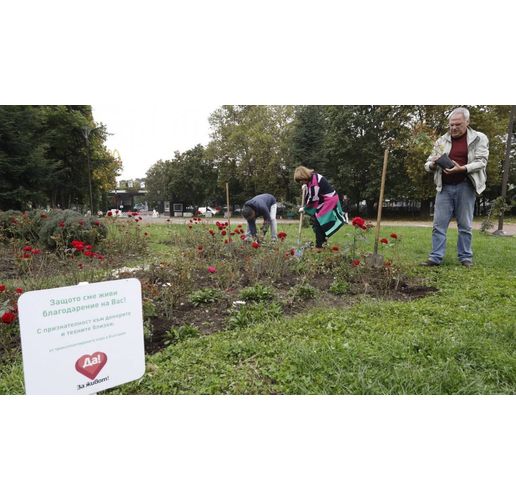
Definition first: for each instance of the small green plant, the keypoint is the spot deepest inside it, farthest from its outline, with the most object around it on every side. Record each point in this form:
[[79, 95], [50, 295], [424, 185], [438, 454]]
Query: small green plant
[[179, 333], [339, 287], [205, 296], [498, 207], [147, 331], [257, 293], [251, 314], [303, 291], [149, 309]]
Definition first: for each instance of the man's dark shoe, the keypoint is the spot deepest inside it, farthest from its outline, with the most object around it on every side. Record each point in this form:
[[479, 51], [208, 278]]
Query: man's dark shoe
[[429, 263], [467, 263]]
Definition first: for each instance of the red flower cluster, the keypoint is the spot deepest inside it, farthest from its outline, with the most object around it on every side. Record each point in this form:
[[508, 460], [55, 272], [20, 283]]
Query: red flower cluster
[[394, 236], [7, 316], [384, 241], [29, 251], [359, 222], [81, 247], [3, 288], [282, 235], [222, 225]]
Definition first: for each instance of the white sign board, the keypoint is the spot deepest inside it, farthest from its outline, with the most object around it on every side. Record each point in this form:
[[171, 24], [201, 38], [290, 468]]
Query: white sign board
[[82, 339]]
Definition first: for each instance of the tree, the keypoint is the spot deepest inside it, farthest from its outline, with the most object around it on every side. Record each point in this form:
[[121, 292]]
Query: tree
[[24, 166], [309, 130], [43, 156], [251, 149]]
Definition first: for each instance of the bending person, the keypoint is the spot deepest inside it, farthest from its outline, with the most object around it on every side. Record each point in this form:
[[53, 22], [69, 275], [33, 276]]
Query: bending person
[[322, 203], [262, 205]]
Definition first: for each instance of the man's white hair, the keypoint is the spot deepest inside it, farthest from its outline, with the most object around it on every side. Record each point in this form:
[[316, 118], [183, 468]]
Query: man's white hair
[[460, 111]]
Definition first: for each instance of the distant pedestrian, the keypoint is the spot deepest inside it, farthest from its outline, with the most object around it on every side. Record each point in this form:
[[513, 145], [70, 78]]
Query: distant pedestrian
[[457, 182], [345, 207], [262, 205], [321, 202]]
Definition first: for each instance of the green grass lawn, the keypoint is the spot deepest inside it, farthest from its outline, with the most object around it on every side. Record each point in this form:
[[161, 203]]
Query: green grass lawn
[[460, 340]]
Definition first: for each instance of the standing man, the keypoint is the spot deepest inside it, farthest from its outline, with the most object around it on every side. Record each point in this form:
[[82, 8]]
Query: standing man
[[457, 184], [263, 205]]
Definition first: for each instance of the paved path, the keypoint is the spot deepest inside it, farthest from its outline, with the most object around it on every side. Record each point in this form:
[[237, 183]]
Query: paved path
[[509, 228]]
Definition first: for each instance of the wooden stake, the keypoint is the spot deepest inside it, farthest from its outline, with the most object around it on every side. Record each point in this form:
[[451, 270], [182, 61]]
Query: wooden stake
[[227, 202], [380, 202]]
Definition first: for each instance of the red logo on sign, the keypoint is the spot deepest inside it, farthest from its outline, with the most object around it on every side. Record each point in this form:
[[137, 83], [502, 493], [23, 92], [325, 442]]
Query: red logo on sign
[[90, 365]]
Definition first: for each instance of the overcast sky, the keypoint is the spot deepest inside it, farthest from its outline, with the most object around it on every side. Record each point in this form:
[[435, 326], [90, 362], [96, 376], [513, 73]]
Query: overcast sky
[[146, 133]]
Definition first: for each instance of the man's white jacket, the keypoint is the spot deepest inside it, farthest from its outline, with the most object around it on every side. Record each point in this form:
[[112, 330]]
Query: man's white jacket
[[478, 154]]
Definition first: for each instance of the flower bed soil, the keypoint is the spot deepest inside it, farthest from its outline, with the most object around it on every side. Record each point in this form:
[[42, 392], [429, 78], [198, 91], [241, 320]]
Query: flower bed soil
[[213, 317]]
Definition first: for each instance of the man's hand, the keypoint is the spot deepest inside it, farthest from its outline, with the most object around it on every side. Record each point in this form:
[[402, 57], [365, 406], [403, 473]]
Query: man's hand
[[433, 167], [455, 170]]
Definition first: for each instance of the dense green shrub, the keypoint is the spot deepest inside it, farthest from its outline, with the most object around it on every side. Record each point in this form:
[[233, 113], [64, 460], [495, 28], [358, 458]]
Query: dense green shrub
[[22, 225], [61, 227], [53, 228]]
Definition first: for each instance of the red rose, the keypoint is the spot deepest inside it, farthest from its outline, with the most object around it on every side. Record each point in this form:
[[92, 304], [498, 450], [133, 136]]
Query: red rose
[[199, 248], [224, 232], [282, 235], [384, 241], [394, 236], [27, 248], [292, 251], [8, 317], [109, 214], [212, 269], [335, 248], [212, 232], [2, 288], [356, 262], [36, 251], [61, 224], [242, 236], [97, 223], [255, 244], [19, 290]]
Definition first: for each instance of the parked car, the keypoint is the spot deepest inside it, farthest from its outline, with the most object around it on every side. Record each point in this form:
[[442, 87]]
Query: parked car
[[207, 210]]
